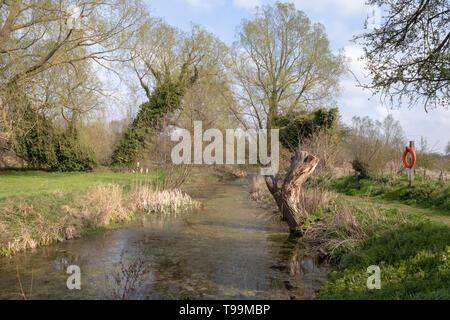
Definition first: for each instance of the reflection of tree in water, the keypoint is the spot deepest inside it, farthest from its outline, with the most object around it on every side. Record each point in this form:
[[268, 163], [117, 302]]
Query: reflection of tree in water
[[307, 274], [130, 274], [177, 277], [229, 250]]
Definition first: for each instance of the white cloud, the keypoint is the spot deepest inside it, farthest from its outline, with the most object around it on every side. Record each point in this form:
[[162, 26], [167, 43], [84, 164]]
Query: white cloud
[[247, 4]]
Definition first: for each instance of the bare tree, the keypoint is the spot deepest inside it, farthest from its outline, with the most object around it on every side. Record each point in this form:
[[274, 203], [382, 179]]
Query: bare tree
[[408, 54], [46, 58]]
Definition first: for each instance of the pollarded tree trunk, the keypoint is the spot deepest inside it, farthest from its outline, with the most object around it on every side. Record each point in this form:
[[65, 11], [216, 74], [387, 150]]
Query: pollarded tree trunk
[[288, 197]]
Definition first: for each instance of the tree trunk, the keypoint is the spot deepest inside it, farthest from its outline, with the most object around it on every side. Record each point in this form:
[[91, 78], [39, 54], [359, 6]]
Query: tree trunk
[[288, 197]]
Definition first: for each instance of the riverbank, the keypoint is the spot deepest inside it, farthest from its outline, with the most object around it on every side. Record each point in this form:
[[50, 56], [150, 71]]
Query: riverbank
[[41, 208], [412, 251]]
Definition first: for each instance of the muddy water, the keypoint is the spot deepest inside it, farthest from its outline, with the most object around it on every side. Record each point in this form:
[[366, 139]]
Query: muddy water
[[229, 249]]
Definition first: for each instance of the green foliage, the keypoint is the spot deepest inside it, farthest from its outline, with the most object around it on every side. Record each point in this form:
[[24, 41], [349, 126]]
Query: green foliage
[[295, 127], [72, 155], [426, 193], [361, 169], [44, 145], [412, 253]]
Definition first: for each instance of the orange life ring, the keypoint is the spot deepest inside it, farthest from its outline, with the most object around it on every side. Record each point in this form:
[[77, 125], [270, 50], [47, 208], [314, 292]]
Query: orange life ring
[[414, 158]]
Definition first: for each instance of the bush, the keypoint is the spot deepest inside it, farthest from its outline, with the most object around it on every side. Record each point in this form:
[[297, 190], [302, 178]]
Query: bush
[[44, 145], [361, 169], [294, 127]]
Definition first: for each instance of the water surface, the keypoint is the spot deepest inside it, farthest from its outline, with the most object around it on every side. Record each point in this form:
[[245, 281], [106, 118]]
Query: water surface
[[229, 249]]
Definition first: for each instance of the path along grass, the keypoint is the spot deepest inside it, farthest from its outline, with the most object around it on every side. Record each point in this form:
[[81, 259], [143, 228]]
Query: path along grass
[[427, 193]]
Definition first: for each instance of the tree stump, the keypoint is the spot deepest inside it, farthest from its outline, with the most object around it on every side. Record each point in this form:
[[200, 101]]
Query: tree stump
[[288, 197]]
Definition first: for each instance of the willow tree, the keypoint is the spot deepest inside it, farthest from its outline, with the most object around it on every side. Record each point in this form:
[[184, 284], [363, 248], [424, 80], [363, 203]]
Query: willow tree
[[167, 62], [50, 52], [283, 64]]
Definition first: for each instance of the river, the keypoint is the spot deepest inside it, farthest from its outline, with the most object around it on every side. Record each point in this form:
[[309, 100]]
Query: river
[[229, 249]]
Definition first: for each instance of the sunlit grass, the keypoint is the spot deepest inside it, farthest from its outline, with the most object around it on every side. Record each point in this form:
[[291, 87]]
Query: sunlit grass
[[21, 185]]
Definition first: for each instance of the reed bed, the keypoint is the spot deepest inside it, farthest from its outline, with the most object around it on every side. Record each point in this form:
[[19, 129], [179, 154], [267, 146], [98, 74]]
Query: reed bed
[[18, 234], [152, 200]]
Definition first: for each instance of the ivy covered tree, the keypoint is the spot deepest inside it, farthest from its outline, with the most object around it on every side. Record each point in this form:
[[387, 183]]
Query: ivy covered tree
[[165, 98], [171, 61], [45, 145], [297, 126]]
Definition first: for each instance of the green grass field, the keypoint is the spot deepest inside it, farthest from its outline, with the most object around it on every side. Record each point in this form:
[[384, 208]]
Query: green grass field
[[26, 185]]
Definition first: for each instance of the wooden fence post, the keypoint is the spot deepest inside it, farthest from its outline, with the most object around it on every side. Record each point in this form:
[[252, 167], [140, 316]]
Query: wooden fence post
[[411, 181]]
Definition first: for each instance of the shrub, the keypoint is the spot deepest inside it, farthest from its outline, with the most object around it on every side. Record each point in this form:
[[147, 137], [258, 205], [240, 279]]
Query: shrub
[[44, 145], [361, 169], [295, 127]]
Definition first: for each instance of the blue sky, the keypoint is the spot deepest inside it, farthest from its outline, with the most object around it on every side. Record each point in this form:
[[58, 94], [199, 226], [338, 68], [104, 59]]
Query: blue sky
[[342, 20]]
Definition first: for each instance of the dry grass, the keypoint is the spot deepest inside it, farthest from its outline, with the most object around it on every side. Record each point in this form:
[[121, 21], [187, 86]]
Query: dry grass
[[104, 204], [346, 225], [22, 235], [150, 200], [312, 199], [316, 199], [22, 227], [259, 191]]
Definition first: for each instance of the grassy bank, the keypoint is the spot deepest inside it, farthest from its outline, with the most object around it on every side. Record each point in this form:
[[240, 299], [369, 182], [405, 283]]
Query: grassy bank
[[40, 208], [412, 252], [427, 193]]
